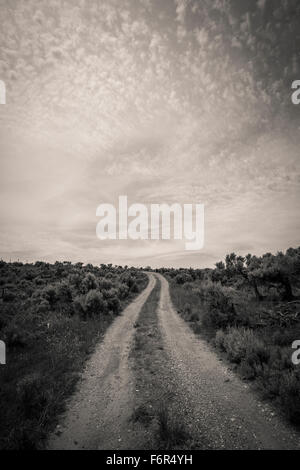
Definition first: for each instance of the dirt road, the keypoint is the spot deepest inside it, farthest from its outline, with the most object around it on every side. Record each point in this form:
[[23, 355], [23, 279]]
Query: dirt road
[[217, 404], [219, 410], [98, 414]]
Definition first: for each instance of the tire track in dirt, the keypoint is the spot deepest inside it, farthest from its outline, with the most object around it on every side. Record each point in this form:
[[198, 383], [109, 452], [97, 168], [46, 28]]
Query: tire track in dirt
[[98, 414], [159, 426]]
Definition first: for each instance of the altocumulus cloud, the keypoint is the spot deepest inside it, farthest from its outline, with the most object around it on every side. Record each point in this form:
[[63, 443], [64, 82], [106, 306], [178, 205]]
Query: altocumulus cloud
[[165, 101]]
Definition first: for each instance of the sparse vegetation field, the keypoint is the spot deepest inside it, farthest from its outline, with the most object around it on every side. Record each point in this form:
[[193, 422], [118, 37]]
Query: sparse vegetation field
[[249, 309], [51, 317]]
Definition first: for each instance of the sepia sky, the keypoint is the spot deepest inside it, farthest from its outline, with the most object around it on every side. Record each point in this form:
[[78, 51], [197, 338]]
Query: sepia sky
[[169, 101]]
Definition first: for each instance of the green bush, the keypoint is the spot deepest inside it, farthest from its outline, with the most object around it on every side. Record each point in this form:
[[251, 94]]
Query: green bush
[[113, 303], [123, 291], [134, 288], [289, 391], [219, 340], [49, 293], [44, 306], [63, 292], [182, 278], [105, 284], [187, 309], [94, 303], [32, 394], [88, 283], [78, 305], [241, 344], [220, 311], [8, 295], [15, 336]]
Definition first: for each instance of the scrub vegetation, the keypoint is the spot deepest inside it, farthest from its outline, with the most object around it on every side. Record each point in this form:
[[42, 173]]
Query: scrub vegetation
[[249, 309], [51, 317]]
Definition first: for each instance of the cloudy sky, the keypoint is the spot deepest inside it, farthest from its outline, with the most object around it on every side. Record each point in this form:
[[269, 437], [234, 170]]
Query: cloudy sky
[[183, 101]]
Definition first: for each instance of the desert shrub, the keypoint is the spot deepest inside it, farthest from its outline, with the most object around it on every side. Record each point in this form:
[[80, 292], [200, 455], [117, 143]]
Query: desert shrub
[[29, 275], [78, 305], [26, 287], [220, 311], [63, 292], [284, 337], [194, 317], [75, 280], [105, 284], [123, 291], [246, 313], [270, 380], [88, 283], [109, 275], [49, 293], [15, 336], [280, 358], [8, 295], [44, 306], [219, 340], [283, 386], [187, 309], [32, 394], [241, 344], [289, 392], [182, 278], [172, 431], [113, 303], [94, 303], [109, 293], [247, 370], [134, 288], [202, 289], [128, 279]]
